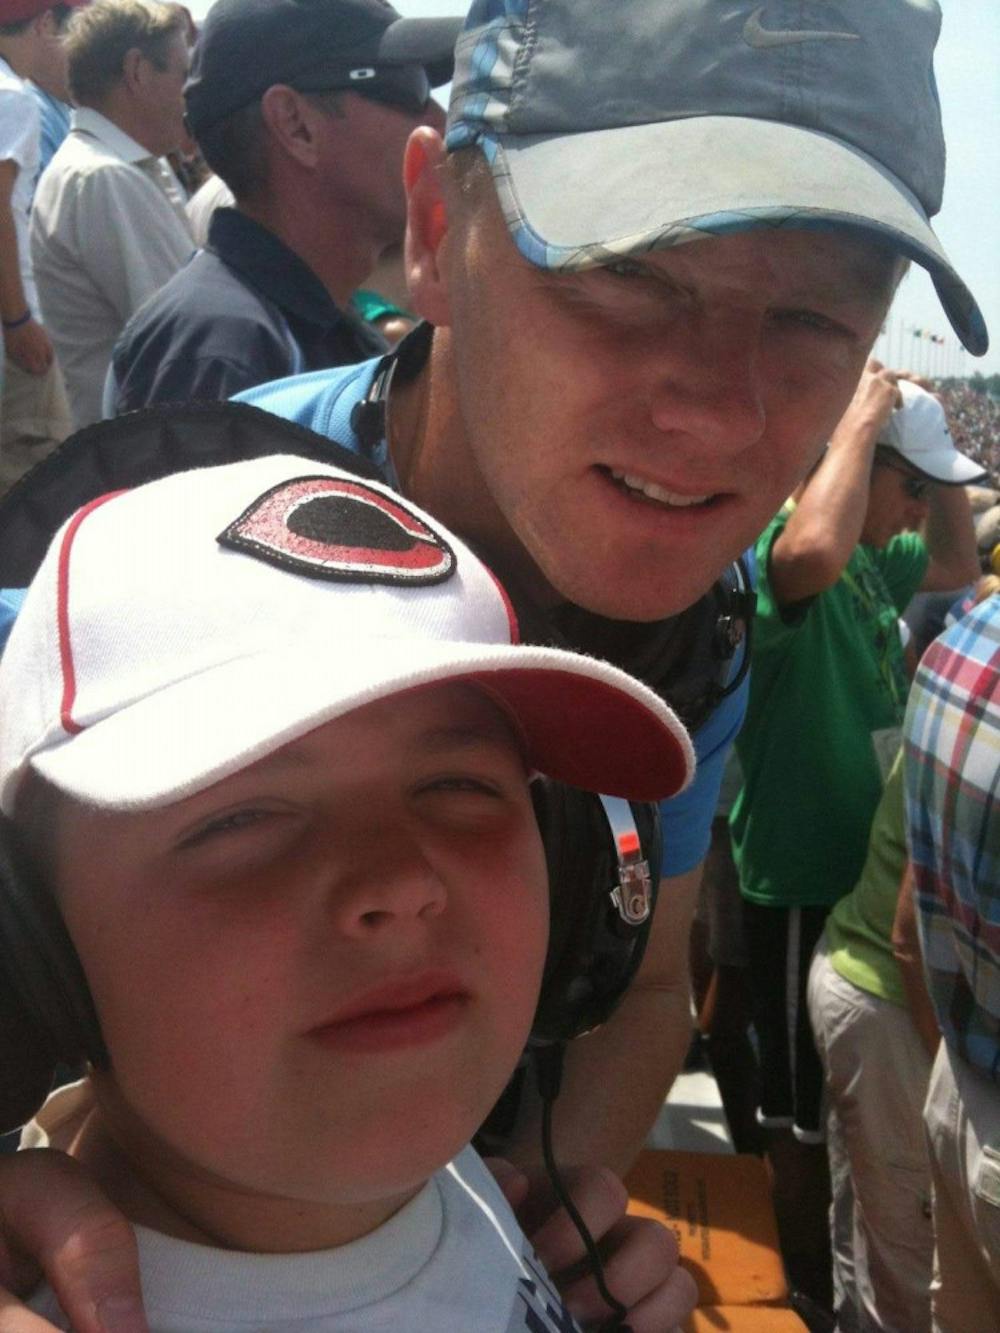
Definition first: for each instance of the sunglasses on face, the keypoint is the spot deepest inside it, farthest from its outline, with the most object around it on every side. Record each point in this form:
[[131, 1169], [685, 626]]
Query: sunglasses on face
[[915, 488]]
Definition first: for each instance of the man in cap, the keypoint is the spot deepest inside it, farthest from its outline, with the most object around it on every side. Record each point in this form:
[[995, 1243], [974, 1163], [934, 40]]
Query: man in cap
[[648, 319], [835, 569], [34, 413], [303, 110], [108, 226], [654, 257]]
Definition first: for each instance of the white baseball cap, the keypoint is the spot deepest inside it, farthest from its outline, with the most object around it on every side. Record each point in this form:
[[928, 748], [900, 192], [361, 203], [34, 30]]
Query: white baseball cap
[[178, 632], [918, 432]]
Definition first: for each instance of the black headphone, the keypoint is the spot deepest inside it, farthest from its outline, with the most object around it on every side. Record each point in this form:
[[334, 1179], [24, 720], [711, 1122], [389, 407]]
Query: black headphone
[[47, 1016], [603, 854]]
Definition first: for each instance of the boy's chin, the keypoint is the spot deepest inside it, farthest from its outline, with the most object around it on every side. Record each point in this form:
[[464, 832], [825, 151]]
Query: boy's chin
[[324, 1187]]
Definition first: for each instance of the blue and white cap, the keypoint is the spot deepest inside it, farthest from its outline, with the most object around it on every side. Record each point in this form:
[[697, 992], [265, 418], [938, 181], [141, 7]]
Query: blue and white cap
[[615, 129]]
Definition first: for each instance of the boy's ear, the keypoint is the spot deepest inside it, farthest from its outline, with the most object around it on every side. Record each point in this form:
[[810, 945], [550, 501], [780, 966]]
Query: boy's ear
[[427, 224]]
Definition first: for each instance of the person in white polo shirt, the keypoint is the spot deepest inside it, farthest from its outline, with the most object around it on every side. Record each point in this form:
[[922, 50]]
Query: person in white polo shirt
[[108, 226]]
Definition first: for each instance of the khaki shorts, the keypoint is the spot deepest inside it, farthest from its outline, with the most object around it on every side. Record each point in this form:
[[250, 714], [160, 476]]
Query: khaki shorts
[[34, 418]]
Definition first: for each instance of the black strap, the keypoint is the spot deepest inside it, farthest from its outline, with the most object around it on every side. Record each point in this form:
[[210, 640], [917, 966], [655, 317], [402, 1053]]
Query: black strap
[[140, 447]]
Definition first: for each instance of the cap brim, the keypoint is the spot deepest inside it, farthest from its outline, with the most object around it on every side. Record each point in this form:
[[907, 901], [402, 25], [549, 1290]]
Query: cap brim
[[573, 201], [948, 467], [584, 722], [427, 42]]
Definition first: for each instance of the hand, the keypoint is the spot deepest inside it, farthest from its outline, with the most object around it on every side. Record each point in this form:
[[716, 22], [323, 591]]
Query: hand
[[639, 1255], [56, 1220], [29, 347], [875, 398]]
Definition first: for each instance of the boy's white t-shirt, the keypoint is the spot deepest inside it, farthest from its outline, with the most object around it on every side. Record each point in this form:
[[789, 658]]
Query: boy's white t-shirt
[[453, 1260]]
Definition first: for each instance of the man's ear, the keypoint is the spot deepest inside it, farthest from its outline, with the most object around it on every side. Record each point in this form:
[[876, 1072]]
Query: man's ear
[[135, 67], [426, 225], [45, 24], [291, 121]]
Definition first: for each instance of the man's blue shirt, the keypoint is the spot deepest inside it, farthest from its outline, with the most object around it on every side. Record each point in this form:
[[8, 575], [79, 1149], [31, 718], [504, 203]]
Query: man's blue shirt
[[10, 604], [55, 116]]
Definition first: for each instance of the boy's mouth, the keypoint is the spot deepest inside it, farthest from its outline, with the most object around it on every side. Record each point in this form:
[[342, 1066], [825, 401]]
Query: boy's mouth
[[409, 1013]]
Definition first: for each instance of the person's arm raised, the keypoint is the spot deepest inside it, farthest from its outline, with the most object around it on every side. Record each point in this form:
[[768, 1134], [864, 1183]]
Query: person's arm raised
[[55, 1221], [811, 552]]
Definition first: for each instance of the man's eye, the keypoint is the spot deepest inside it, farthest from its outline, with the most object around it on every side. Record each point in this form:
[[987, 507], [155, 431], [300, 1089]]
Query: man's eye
[[811, 319], [624, 268]]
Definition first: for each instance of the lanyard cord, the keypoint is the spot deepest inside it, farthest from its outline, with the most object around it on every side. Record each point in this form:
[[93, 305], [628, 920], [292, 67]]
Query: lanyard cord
[[548, 1070]]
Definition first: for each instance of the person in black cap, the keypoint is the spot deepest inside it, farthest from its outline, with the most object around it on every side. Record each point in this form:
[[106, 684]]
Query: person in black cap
[[303, 110]]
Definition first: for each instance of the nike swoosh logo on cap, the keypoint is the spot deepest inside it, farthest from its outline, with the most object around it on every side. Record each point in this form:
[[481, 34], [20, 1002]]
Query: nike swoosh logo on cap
[[759, 37]]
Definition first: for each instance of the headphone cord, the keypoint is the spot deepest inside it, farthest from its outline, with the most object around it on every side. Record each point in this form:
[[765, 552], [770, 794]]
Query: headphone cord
[[548, 1070]]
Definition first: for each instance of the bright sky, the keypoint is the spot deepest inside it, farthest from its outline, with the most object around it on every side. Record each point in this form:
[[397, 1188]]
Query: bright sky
[[968, 72]]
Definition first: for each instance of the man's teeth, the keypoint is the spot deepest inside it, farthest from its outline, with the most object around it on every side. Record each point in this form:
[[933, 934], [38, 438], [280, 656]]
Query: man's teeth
[[653, 492]]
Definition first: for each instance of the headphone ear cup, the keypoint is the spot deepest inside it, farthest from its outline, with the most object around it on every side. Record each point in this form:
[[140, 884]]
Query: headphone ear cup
[[28, 1059], [48, 1016], [593, 954]]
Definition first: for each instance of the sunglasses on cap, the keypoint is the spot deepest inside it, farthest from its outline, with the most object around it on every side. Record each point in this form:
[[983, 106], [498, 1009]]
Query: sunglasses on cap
[[915, 488], [405, 87]]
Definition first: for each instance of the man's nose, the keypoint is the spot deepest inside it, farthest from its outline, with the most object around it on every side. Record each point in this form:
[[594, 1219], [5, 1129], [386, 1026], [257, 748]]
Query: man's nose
[[916, 512], [707, 382]]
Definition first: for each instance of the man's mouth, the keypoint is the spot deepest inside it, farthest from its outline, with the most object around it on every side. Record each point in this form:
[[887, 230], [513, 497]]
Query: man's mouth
[[642, 489]]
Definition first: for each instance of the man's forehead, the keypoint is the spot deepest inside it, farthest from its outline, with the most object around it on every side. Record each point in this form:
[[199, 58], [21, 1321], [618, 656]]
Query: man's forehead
[[814, 261]]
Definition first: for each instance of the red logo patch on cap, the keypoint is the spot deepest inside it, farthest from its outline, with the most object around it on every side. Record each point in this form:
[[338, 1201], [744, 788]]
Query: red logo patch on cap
[[335, 528]]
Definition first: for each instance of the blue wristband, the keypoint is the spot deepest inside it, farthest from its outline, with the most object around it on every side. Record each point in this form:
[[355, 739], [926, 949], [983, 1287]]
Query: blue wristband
[[16, 323]]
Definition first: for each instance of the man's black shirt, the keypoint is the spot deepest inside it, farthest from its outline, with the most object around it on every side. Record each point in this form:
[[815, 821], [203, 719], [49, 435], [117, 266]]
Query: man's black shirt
[[243, 311]]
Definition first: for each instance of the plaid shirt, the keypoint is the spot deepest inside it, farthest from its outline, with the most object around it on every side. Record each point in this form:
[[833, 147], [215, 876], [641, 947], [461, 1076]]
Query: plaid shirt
[[952, 738]]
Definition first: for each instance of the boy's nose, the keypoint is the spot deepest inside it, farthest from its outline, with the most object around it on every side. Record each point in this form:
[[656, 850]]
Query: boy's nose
[[394, 884]]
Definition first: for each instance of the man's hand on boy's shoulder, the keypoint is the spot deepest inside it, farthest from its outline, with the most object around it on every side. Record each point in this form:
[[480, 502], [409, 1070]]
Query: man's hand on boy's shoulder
[[51, 1210], [640, 1256], [87, 1249]]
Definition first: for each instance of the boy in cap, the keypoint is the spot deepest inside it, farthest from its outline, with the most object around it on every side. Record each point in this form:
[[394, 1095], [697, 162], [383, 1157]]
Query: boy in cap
[[289, 831]]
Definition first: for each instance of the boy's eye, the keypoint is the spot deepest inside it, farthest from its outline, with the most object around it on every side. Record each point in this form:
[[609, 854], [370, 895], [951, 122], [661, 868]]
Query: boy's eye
[[234, 821], [472, 786]]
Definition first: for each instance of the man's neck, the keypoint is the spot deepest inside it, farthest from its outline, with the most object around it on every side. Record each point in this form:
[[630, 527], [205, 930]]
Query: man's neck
[[338, 252], [51, 88], [118, 109], [17, 53], [437, 468]]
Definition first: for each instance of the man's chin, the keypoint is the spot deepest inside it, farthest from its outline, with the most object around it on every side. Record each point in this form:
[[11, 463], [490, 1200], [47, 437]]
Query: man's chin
[[642, 599]]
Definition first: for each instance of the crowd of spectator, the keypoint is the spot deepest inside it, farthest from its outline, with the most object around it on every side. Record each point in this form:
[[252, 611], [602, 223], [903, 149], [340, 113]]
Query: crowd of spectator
[[974, 416]]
